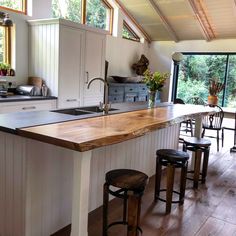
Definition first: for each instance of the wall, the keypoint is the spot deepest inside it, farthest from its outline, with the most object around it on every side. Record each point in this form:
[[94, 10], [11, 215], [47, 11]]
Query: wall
[[160, 54], [122, 53]]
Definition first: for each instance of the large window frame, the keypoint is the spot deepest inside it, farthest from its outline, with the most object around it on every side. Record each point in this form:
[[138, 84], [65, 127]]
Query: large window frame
[[227, 54], [7, 45], [22, 11]]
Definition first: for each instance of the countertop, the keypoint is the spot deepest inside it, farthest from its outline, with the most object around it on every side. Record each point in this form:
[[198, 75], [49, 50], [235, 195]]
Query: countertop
[[21, 98], [87, 134]]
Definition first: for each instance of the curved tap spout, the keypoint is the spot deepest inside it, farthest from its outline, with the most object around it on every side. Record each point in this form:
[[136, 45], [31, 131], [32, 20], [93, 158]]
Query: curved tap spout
[[101, 79], [105, 106]]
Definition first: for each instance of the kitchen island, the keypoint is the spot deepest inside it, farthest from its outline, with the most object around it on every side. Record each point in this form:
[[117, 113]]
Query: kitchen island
[[52, 174]]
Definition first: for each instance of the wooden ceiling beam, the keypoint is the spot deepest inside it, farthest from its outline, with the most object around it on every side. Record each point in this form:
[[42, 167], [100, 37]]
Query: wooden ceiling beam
[[147, 37], [203, 19], [164, 21]]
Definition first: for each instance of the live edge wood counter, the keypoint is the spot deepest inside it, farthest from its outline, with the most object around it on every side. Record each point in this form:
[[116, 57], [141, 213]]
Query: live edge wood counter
[[87, 134]]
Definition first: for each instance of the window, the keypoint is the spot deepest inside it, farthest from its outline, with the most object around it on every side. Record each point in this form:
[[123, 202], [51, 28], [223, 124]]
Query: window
[[128, 33], [70, 10], [97, 13], [5, 46], [16, 5], [197, 68]]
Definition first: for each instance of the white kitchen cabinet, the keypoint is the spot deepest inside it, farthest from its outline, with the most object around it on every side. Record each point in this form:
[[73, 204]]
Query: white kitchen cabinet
[[94, 67], [22, 106], [67, 55]]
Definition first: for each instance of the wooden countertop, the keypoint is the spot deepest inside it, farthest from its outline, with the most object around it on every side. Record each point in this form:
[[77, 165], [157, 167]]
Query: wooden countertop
[[86, 134]]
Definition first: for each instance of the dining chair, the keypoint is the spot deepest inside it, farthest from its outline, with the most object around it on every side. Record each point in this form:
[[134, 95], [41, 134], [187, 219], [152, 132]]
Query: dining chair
[[213, 122]]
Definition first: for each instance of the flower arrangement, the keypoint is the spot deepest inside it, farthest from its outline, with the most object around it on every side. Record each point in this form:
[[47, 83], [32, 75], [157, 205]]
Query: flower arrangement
[[155, 81], [215, 87]]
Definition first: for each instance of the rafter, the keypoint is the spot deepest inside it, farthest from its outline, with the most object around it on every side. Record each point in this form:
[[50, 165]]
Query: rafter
[[164, 20], [147, 37], [203, 19]]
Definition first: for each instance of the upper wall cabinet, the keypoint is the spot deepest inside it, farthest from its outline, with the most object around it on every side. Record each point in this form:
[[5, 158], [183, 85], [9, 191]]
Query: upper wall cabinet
[[67, 55]]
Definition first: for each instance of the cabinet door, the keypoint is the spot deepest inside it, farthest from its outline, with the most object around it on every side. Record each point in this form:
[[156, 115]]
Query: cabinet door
[[70, 66], [94, 67]]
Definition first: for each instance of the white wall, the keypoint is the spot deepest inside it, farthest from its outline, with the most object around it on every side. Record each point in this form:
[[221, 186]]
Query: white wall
[[160, 53], [122, 53]]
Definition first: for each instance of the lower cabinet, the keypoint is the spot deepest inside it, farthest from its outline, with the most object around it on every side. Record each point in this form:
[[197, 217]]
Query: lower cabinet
[[36, 105], [128, 92]]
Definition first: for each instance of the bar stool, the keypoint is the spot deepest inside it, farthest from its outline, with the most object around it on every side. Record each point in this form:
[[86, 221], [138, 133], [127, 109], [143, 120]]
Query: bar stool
[[131, 184], [171, 159], [199, 146]]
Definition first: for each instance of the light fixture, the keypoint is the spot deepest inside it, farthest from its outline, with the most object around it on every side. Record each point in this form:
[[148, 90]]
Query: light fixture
[[6, 21], [177, 57]]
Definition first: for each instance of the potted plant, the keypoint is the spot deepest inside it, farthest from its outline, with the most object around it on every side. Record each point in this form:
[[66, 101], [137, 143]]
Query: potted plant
[[215, 88], [154, 81], [4, 67]]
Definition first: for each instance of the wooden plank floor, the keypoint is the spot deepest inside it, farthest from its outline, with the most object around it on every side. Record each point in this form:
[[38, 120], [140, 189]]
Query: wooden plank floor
[[210, 210]]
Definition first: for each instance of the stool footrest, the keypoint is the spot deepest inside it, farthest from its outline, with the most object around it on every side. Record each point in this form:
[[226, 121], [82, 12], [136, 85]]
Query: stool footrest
[[164, 200], [122, 223]]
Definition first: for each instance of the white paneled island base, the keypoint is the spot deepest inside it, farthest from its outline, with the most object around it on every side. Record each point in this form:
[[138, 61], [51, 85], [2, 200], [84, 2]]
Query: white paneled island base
[[37, 180]]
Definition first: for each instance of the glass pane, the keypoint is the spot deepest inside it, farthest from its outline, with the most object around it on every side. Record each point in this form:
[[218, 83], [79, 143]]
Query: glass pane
[[13, 4], [126, 33], [195, 72], [67, 9], [230, 93], [2, 43], [98, 14]]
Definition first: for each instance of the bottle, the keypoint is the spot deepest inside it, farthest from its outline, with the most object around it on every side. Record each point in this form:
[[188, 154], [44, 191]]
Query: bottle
[[44, 90]]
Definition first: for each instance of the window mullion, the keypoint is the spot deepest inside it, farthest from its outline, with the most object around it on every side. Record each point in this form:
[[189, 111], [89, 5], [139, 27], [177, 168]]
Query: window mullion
[[83, 11], [225, 79]]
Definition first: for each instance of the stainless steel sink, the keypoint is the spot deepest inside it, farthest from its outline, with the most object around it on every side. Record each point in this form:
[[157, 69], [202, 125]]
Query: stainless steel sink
[[72, 111], [82, 110], [95, 109]]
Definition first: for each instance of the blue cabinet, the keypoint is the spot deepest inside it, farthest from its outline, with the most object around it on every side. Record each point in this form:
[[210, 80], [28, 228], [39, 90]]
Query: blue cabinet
[[128, 92]]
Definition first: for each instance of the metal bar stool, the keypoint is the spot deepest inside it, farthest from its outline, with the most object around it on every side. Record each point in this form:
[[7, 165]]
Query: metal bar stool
[[199, 146], [171, 159], [131, 184]]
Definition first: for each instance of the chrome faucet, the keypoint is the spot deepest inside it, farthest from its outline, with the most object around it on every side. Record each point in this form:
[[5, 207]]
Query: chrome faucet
[[103, 106]]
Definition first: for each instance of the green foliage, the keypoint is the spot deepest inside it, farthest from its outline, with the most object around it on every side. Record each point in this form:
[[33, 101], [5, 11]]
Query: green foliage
[[13, 4], [197, 70], [4, 66], [96, 12], [155, 81]]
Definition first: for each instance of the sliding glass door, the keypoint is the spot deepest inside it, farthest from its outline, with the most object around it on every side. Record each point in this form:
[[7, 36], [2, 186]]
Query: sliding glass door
[[197, 68]]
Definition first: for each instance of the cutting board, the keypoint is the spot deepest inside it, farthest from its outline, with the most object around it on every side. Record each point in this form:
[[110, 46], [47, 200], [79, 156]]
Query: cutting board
[[35, 81]]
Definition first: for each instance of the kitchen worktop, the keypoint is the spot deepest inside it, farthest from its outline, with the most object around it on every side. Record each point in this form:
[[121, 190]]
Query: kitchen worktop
[[20, 98], [86, 134]]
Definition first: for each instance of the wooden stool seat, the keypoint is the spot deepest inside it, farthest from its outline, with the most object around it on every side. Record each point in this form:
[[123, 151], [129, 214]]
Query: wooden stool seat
[[172, 159], [171, 155], [201, 142], [131, 185], [127, 179], [199, 146]]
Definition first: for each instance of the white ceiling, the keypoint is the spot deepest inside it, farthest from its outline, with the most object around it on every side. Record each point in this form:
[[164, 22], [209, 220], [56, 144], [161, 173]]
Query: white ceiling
[[184, 19]]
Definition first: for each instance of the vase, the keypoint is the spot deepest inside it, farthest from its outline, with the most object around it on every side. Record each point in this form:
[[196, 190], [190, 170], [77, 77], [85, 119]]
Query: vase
[[151, 98], [212, 100]]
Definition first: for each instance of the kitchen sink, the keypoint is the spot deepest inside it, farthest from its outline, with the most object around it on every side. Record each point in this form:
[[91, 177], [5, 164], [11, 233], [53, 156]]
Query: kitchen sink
[[72, 111], [82, 110], [94, 109]]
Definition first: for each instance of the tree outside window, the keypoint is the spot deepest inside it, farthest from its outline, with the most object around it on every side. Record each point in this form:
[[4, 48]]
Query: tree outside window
[[97, 13], [17, 5], [128, 33]]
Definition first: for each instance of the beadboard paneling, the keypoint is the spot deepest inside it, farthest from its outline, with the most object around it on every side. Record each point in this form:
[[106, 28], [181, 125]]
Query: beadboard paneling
[[43, 54], [12, 185]]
